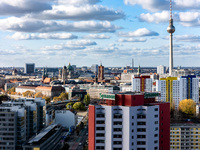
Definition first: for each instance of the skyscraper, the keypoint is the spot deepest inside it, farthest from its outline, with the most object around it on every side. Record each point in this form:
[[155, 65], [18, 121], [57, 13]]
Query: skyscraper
[[142, 84], [171, 30]]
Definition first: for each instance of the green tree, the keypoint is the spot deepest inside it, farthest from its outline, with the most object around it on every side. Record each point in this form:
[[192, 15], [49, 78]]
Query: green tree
[[69, 105], [78, 106], [187, 106], [86, 99]]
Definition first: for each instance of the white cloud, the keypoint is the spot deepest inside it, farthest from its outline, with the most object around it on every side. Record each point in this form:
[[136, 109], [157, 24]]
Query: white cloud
[[96, 36], [58, 36], [159, 5], [70, 45], [77, 2], [33, 25], [184, 18], [86, 12], [19, 7], [138, 33], [132, 40], [187, 38], [155, 17]]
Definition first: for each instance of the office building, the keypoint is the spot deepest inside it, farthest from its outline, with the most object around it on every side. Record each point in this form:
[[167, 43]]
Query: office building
[[29, 68], [161, 69], [142, 84], [127, 121], [184, 136]]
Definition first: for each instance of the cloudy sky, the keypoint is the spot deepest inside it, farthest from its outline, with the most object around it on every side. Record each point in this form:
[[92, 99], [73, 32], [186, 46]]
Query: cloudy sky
[[54, 33]]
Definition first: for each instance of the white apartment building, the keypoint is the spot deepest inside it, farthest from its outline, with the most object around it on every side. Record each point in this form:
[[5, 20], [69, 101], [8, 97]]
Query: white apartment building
[[161, 69], [142, 84], [127, 128], [173, 90]]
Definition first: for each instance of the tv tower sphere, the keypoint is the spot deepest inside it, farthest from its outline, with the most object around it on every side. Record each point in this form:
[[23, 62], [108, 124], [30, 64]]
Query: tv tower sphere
[[171, 28]]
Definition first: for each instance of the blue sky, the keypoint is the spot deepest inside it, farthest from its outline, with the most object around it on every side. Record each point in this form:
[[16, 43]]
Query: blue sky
[[54, 33]]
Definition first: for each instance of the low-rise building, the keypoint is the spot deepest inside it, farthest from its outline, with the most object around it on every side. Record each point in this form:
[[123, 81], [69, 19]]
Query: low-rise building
[[49, 138]]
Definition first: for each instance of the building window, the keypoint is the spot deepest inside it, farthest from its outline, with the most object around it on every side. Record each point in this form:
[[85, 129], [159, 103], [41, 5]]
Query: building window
[[141, 116], [117, 142], [117, 116], [156, 122], [117, 123], [156, 109], [117, 136], [132, 130], [100, 147], [117, 129], [141, 123], [132, 117], [100, 128], [100, 115], [99, 134], [141, 143], [155, 135], [156, 116], [99, 141], [100, 122], [132, 123], [141, 130], [141, 136], [155, 141]]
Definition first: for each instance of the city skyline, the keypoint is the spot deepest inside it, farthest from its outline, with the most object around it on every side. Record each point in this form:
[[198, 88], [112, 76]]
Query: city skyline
[[86, 32]]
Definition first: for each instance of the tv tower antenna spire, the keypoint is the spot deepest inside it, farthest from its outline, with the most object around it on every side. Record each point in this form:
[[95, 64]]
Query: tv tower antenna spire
[[170, 30]]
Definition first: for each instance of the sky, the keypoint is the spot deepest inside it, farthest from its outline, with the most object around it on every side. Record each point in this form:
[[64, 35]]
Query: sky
[[54, 33]]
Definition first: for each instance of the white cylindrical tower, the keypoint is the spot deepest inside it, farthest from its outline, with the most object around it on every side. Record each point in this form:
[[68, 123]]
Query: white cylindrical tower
[[170, 30]]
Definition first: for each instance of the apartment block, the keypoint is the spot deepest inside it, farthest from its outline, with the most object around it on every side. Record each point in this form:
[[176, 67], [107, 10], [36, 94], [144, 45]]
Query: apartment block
[[129, 121], [142, 84], [174, 90], [185, 136]]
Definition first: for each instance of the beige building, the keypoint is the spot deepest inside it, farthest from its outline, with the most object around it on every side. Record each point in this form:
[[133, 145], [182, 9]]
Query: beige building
[[50, 91], [185, 136]]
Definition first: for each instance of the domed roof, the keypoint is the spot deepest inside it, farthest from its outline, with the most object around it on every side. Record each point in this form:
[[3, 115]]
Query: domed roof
[[69, 67]]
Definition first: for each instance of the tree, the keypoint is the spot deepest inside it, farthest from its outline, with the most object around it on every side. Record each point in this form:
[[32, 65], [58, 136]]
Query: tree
[[56, 98], [47, 99], [187, 106], [28, 94], [86, 99], [63, 96], [11, 90], [78, 106], [38, 94], [69, 105]]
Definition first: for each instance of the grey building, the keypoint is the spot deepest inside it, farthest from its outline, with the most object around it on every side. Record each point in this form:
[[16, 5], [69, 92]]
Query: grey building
[[19, 121], [29, 68], [12, 127]]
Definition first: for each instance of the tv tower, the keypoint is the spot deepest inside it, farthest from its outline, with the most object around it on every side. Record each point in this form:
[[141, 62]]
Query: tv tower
[[170, 30]]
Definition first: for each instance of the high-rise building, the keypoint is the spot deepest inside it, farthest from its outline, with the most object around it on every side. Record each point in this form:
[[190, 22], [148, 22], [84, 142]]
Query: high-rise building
[[94, 68], [129, 121], [189, 88], [29, 68], [101, 72], [19, 121], [161, 69], [142, 84], [169, 89], [184, 136], [174, 90], [12, 127]]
